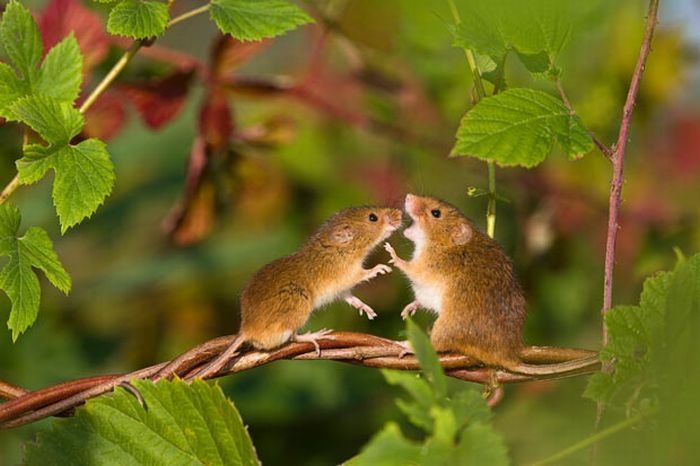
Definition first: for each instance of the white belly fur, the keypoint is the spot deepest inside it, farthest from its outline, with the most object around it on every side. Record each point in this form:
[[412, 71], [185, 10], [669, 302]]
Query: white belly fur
[[429, 296]]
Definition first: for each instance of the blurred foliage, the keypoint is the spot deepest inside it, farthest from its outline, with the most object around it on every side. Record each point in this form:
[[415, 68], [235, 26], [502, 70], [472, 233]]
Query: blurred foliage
[[361, 108]]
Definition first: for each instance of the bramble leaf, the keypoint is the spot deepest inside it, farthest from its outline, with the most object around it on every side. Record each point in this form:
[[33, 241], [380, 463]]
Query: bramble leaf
[[11, 87], [388, 448], [84, 177], [257, 19], [519, 127], [17, 279], [536, 30], [56, 122], [181, 424], [62, 71], [20, 38], [428, 358], [59, 76], [139, 19]]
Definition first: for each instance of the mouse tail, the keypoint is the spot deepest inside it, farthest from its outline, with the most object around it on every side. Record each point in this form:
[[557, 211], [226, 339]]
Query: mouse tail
[[191, 358], [217, 364], [560, 368]]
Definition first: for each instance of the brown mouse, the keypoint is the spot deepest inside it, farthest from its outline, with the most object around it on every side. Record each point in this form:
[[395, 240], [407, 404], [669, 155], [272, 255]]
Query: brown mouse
[[281, 296], [465, 277]]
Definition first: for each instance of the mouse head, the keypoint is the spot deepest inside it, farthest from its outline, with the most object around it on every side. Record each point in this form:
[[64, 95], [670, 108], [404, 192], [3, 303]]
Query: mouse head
[[358, 228], [436, 223]]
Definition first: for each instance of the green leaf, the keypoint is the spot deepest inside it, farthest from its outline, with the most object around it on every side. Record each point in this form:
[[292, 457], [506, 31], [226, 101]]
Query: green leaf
[[388, 448], [469, 406], [62, 71], [428, 359], [11, 87], [481, 444], [17, 278], [140, 19], [537, 30], [84, 177], [519, 127], [20, 38], [57, 122], [183, 424], [257, 19], [418, 412]]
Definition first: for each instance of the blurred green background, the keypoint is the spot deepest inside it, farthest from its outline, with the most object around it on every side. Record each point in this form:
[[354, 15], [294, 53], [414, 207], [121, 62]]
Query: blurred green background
[[377, 98]]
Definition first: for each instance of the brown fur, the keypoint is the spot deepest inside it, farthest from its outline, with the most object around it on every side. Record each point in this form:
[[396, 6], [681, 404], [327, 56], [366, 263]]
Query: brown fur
[[281, 296], [483, 308]]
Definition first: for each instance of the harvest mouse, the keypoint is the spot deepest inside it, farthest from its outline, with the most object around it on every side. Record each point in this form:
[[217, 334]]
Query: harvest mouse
[[464, 276], [281, 296]]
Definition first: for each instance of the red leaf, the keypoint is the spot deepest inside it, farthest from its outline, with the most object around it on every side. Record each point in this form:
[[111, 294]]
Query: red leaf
[[106, 117], [61, 17], [228, 54], [159, 101], [193, 216], [215, 120]]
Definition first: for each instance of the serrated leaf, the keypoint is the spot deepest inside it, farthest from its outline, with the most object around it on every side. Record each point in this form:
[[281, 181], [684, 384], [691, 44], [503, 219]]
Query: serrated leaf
[[11, 87], [140, 19], [20, 38], [428, 359], [388, 448], [469, 407], [257, 19], [17, 278], [519, 127], [600, 387], [481, 444], [537, 30], [183, 424], [57, 122], [61, 72], [84, 177]]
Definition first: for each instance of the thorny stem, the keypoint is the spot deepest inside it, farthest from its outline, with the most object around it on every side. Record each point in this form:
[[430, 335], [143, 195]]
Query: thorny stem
[[118, 67], [593, 439], [618, 160], [480, 94]]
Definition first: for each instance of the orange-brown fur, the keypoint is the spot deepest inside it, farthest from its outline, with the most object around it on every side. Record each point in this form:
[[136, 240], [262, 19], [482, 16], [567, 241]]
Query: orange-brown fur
[[281, 296], [482, 305]]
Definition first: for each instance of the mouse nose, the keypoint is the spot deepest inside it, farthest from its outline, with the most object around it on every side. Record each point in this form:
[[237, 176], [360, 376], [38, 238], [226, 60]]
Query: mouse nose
[[410, 203], [393, 218]]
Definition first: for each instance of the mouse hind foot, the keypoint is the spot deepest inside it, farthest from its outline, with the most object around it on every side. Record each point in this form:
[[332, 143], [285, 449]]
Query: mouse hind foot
[[313, 337]]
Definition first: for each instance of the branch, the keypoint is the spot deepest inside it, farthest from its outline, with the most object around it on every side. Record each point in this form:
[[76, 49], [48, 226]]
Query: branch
[[619, 159], [607, 152], [353, 348]]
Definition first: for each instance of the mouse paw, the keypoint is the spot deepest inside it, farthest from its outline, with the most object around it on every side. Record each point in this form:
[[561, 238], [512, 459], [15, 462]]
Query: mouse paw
[[410, 309], [313, 337], [406, 348], [389, 248], [357, 303]]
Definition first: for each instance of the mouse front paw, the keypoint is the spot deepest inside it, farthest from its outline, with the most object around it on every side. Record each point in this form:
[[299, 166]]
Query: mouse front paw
[[379, 269], [394, 259], [358, 304], [410, 309]]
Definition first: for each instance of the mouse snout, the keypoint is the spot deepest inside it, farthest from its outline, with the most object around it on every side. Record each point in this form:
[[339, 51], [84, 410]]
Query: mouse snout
[[394, 218], [412, 204]]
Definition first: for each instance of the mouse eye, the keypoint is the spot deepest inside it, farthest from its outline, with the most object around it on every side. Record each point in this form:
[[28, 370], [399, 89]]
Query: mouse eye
[[373, 218], [435, 213]]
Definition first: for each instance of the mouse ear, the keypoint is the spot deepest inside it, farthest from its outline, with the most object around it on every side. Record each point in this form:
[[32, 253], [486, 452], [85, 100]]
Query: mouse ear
[[342, 234], [461, 234]]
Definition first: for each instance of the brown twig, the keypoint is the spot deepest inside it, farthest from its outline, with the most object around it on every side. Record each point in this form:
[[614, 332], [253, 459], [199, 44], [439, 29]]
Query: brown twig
[[607, 152], [618, 159], [352, 348]]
